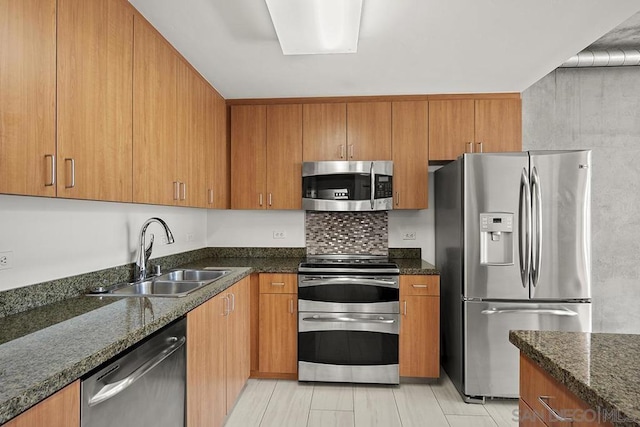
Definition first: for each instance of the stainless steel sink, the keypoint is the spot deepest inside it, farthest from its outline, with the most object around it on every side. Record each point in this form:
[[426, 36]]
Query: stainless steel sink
[[157, 288], [197, 275], [176, 283]]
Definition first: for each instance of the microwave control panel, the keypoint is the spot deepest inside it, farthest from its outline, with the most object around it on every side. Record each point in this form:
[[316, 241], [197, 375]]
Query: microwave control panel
[[384, 187]]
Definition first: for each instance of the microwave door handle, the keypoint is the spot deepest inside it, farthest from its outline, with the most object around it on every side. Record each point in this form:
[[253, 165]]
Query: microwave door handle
[[373, 185]]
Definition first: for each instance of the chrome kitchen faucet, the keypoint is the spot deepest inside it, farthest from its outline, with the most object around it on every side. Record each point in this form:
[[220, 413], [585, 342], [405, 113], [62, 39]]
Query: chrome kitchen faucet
[[142, 257]]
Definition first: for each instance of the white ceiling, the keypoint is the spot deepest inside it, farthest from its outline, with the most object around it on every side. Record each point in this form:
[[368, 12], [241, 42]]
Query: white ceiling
[[406, 46]]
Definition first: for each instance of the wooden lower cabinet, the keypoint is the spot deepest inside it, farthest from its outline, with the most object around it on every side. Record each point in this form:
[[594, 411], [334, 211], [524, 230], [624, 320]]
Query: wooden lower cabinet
[[206, 367], [420, 326], [61, 409], [526, 416], [537, 386], [278, 333], [217, 355], [238, 344], [278, 326]]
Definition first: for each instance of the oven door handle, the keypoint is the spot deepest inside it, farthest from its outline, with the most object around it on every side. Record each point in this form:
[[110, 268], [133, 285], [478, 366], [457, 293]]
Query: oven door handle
[[347, 280], [347, 319]]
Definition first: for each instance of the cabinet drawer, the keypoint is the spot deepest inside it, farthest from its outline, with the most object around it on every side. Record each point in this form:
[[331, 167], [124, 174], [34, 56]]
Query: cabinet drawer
[[277, 283], [420, 285], [526, 416], [538, 388]]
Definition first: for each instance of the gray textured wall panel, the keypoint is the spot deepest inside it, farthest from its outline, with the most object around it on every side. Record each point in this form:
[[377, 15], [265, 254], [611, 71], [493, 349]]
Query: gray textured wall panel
[[599, 108]]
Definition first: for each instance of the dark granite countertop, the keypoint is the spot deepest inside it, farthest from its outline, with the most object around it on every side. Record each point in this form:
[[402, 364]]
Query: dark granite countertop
[[415, 266], [45, 348], [36, 365], [601, 369]]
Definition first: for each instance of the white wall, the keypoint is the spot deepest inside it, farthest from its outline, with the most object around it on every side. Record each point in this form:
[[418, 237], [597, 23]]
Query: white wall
[[250, 228], [419, 221], [55, 238]]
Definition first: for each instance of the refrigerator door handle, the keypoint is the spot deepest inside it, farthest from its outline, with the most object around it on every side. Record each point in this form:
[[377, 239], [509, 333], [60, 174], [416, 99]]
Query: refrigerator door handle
[[537, 225], [524, 220], [373, 186], [555, 312]]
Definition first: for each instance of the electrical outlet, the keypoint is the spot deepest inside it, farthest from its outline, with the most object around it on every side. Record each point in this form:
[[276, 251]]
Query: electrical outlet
[[279, 234], [189, 237], [411, 235], [6, 260]]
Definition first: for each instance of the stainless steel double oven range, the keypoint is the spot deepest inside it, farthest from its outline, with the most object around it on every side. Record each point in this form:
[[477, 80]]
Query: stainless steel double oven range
[[348, 319]]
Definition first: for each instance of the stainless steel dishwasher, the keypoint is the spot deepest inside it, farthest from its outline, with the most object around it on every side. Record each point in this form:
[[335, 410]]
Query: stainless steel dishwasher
[[144, 387]]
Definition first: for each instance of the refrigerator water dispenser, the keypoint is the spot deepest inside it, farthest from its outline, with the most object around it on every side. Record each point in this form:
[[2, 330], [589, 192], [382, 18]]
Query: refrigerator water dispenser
[[496, 238]]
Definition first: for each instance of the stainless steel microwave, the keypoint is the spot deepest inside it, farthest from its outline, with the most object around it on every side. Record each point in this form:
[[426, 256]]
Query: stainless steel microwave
[[347, 186]]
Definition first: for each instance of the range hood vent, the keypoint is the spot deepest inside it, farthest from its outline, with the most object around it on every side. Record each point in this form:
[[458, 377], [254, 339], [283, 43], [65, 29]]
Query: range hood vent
[[604, 58]]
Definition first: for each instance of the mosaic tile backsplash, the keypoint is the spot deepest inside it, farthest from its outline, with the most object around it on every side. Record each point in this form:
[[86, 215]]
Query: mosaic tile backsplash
[[347, 233]]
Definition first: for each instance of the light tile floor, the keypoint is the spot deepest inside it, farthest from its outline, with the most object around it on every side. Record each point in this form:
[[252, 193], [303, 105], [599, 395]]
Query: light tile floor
[[279, 403]]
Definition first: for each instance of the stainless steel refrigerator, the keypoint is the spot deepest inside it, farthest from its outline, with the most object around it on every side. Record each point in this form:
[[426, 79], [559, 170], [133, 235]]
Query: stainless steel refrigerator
[[513, 249]]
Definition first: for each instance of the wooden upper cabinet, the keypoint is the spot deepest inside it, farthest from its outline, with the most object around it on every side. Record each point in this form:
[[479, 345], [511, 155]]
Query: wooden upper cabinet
[[410, 133], [498, 125], [28, 96], [284, 156], [266, 156], [324, 132], [217, 149], [248, 156], [95, 83], [61, 409], [474, 126], [154, 117], [190, 142], [369, 131], [451, 128]]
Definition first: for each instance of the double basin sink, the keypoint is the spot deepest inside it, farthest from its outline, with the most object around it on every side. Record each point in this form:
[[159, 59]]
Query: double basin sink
[[175, 283]]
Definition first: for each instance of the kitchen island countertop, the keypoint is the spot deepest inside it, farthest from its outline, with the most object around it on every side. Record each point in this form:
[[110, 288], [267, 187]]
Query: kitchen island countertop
[[44, 349], [601, 369]]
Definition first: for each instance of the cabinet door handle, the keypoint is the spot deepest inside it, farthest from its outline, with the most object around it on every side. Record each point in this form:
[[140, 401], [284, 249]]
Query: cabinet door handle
[[470, 146], [210, 196], [176, 190], [72, 164], [419, 286], [270, 199], [479, 144], [233, 303], [226, 306], [405, 307], [183, 186], [291, 306], [52, 181], [277, 283], [260, 199], [397, 198], [351, 151], [341, 150], [543, 400]]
